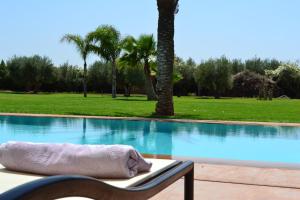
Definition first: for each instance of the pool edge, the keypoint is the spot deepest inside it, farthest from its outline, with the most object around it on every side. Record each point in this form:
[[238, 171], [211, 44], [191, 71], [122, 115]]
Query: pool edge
[[230, 162], [157, 119], [242, 163]]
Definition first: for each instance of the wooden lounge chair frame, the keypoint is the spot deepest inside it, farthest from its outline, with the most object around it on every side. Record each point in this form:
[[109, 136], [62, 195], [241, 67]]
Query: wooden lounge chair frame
[[55, 187]]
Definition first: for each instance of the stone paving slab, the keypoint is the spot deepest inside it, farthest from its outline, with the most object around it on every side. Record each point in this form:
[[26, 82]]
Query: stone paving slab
[[248, 175], [227, 191]]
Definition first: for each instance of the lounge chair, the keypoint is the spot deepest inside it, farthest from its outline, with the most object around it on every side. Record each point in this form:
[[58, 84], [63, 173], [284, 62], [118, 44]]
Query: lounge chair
[[14, 185]]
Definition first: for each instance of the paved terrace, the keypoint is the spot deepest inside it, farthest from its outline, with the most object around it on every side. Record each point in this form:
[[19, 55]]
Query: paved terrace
[[225, 182]]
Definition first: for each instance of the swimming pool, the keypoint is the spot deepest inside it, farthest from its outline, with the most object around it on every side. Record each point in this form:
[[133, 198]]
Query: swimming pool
[[199, 140]]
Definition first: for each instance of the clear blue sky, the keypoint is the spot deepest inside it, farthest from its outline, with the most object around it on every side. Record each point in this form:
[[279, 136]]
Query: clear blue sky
[[204, 28]]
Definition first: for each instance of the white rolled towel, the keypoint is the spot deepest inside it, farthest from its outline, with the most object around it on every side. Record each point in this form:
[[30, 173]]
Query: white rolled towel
[[100, 161]]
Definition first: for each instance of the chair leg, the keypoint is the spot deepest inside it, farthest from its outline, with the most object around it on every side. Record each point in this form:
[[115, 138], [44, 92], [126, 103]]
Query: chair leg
[[189, 185]]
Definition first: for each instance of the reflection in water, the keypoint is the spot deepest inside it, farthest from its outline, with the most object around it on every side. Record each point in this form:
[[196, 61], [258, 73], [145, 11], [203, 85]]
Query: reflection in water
[[83, 127], [164, 138], [37, 121], [16, 125]]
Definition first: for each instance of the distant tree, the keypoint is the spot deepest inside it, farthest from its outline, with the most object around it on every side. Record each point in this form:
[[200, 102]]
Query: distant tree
[[259, 66], [237, 66], [46, 73], [187, 82], [108, 46], [69, 78], [83, 46], [99, 77], [3, 69], [214, 76], [190, 62], [130, 77], [30, 73], [3, 74], [141, 51], [272, 64], [256, 65]]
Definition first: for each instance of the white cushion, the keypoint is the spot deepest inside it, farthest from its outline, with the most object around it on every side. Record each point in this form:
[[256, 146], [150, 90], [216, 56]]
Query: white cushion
[[10, 179]]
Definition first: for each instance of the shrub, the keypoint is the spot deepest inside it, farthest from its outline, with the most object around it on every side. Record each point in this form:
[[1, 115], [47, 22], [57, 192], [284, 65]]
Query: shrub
[[287, 78], [250, 84]]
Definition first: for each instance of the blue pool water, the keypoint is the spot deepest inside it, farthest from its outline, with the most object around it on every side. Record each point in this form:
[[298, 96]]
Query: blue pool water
[[238, 142]]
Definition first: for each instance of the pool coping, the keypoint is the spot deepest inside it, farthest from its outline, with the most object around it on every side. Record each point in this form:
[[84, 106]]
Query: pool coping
[[230, 162], [241, 163], [157, 119]]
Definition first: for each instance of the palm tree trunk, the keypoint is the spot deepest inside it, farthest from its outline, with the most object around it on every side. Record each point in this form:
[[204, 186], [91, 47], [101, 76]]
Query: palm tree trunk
[[151, 95], [165, 57], [114, 79], [84, 79], [127, 90]]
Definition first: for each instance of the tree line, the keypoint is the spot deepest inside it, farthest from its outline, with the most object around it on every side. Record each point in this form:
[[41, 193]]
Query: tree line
[[253, 78], [38, 74], [214, 77], [256, 77]]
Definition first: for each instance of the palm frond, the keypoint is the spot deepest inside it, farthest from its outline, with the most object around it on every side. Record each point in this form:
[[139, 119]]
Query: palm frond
[[78, 41], [128, 43], [106, 41], [146, 46]]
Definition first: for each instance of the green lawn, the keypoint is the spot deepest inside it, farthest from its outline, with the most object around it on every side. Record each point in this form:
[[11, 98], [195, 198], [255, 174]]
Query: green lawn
[[185, 107]]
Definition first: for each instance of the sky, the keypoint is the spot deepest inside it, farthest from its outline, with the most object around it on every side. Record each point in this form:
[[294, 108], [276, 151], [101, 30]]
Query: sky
[[203, 28]]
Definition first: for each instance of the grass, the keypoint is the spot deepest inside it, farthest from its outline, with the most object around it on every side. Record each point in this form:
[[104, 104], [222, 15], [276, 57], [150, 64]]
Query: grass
[[236, 109]]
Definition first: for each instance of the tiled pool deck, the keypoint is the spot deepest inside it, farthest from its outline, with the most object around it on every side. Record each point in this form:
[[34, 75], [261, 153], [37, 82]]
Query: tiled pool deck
[[224, 182]]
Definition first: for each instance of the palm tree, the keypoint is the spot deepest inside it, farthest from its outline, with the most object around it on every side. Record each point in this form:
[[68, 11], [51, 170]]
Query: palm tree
[[141, 51], [165, 56], [107, 44], [83, 46]]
